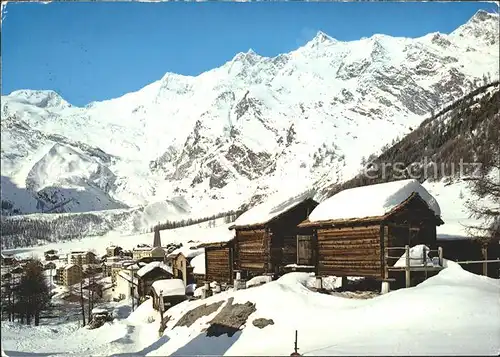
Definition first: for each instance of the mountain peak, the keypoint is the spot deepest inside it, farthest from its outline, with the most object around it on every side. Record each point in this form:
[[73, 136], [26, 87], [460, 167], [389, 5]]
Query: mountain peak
[[482, 15], [250, 56], [483, 25], [322, 37], [40, 98]]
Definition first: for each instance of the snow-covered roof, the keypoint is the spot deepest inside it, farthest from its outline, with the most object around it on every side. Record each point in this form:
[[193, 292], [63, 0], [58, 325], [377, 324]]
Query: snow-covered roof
[[131, 266], [144, 247], [215, 236], [169, 287], [188, 252], [126, 276], [273, 207], [371, 201], [98, 310], [69, 266], [198, 264], [153, 265]]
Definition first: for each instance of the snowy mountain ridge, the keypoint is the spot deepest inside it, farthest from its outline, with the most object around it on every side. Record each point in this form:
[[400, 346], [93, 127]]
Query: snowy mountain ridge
[[253, 126]]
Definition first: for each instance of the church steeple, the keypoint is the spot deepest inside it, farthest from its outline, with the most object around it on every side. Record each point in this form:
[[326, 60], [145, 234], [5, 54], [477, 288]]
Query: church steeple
[[157, 239]]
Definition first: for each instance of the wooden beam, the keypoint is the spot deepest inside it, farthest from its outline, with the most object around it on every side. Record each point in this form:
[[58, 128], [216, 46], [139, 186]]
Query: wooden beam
[[382, 252], [407, 267], [484, 250]]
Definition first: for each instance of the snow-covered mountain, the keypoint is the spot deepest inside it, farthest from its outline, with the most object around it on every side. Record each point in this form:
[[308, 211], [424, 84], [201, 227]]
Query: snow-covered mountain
[[253, 126]]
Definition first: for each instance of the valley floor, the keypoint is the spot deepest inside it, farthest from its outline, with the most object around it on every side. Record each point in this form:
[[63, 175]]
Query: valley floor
[[453, 313]]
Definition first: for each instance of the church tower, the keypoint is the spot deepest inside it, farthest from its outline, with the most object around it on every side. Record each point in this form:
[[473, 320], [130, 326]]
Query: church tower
[[157, 239]]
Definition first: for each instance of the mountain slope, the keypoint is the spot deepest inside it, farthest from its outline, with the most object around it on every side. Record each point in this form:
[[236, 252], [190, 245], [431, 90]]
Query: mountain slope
[[251, 127], [443, 152]]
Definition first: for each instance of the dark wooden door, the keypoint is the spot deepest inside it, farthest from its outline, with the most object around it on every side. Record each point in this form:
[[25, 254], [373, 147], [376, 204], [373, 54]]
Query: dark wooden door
[[305, 252]]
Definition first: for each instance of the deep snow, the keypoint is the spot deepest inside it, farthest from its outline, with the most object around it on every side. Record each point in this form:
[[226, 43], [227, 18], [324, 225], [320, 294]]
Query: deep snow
[[453, 313]]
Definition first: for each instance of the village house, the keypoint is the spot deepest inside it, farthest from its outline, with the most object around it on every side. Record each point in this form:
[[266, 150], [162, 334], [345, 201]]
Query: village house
[[266, 236], [126, 285], [127, 254], [50, 255], [7, 259], [24, 262], [351, 231], [149, 273], [171, 291], [16, 271], [49, 266], [180, 262], [82, 258], [69, 275], [146, 252], [112, 266], [113, 251], [198, 264]]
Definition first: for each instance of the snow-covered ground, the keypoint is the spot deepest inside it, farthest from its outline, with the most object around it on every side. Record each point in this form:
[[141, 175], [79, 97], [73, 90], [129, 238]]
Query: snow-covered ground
[[453, 313]]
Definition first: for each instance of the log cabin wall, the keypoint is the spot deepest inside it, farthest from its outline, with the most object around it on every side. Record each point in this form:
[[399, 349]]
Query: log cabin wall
[[284, 235], [306, 246], [219, 264], [349, 251], [252, 251]]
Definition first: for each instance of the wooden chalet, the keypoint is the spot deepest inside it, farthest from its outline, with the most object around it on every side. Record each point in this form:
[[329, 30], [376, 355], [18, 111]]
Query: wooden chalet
[[352, 232], [219, 261], [150, 273], [266, 235]]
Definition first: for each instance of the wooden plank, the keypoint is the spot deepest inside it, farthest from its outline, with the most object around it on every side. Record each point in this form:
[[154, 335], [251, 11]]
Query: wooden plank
[[348, 229], [348, 241], [348, 258]]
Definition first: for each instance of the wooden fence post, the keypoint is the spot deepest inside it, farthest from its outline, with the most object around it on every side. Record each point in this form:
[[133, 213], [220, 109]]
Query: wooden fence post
[[484, 250], [407, 267], [440, 254], [319, 283], [161, 307], [424, 257]]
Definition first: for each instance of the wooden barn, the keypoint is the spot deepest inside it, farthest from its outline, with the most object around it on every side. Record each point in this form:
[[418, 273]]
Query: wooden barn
[[219, 261], [150, 273], [351, 231], [266, 235]]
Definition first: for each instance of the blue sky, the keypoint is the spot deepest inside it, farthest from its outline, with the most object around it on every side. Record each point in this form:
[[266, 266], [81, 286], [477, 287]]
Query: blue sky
[[91, 51]]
